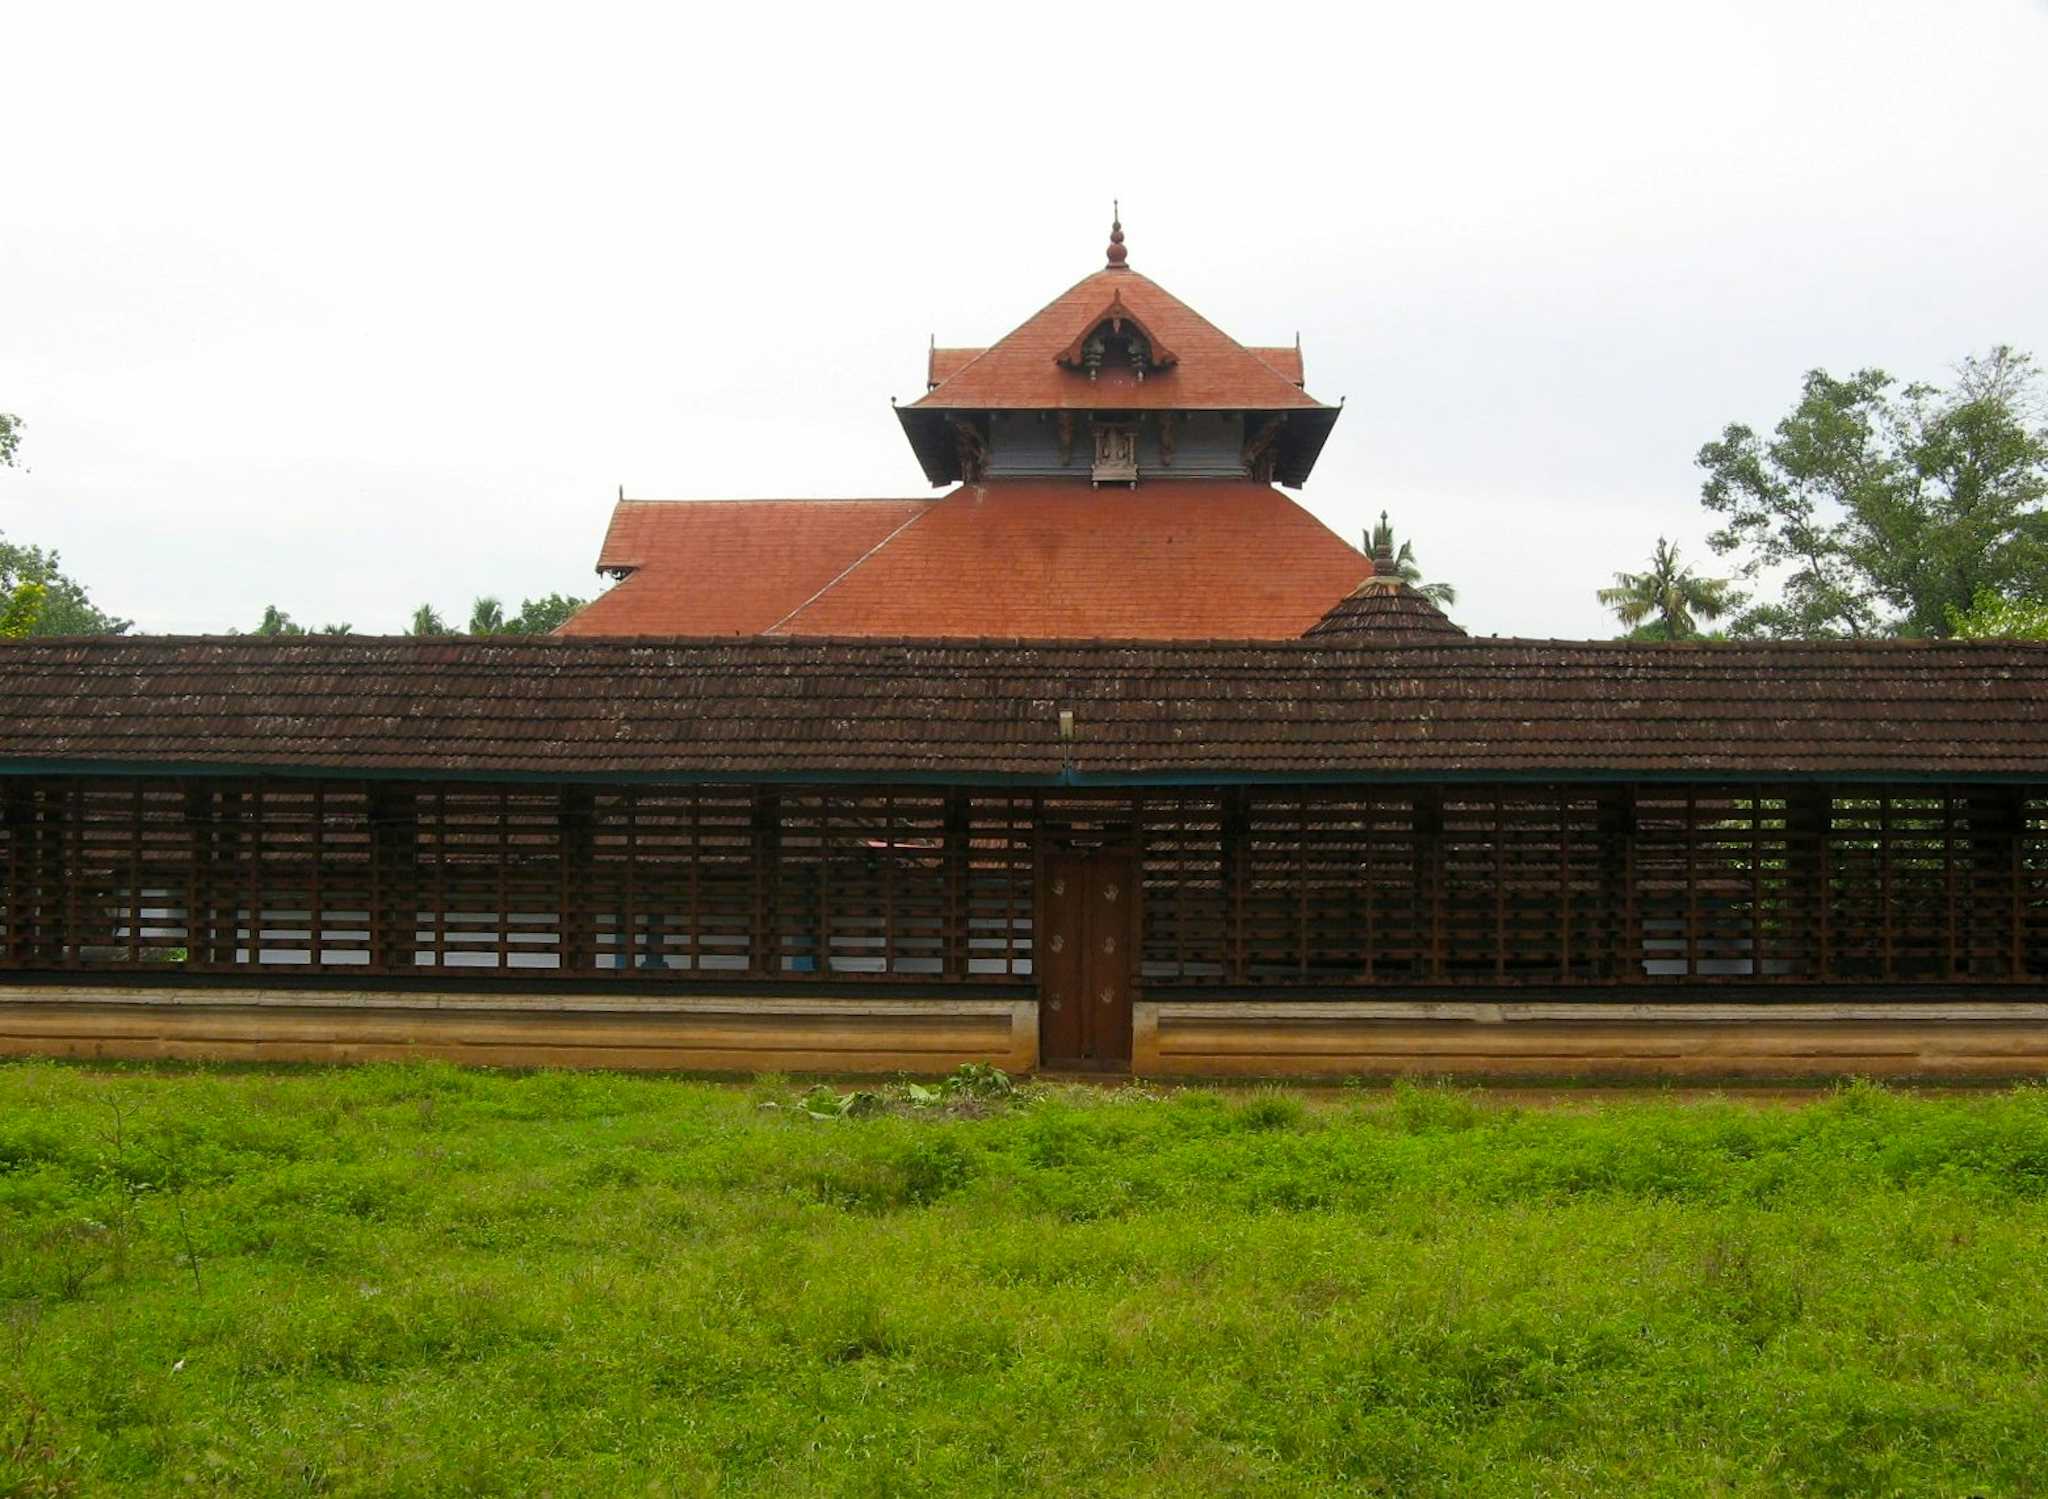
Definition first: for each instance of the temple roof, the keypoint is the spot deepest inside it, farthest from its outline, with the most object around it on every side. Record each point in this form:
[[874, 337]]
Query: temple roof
[[981, 711], [1212, 371], [1193, 366], [728, 567], [1191, 559]]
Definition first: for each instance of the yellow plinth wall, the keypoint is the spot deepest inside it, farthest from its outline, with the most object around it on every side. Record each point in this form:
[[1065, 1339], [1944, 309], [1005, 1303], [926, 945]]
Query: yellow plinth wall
[[893, 1033], [1589, 1039], [740, 1033]]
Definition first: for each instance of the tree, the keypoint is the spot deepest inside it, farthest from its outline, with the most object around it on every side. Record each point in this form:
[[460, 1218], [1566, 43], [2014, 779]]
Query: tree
[[1994, 617], [36, 598], [542, 616], [64, 607], [1885, 507], [1668, 601], [1443, 595], [20, 607], [277, 622], [486, 617], [426, 620]]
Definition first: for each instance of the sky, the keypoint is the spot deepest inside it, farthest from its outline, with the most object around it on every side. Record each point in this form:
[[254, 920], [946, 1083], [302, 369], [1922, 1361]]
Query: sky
[[352, 308]]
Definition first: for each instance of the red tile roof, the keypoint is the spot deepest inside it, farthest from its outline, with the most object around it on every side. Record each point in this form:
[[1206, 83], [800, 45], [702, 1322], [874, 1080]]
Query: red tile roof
[[1213, 372], [944, 364], [876, 710], [729, 567], [1190, 559], [1286, 359]]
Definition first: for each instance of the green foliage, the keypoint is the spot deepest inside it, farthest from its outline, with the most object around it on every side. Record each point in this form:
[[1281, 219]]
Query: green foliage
[[486, 617], [20, 608], [1991, 616], [535, 616], [1668, 601], [1443, 595], [1884, 508], [58, 605], [426, 620], [542, 616], [425, 1280], [276, 622], [36, 597]]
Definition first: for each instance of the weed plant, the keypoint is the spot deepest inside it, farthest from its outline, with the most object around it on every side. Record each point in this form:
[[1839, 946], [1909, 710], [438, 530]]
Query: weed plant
[[397, 1280]]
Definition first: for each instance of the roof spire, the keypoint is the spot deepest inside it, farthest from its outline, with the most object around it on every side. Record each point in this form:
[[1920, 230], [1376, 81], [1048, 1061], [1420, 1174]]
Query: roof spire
[[1116, 236], [1383, 548]]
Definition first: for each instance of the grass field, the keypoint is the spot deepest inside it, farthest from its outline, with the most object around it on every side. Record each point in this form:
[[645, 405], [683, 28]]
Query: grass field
[[424, 1280]]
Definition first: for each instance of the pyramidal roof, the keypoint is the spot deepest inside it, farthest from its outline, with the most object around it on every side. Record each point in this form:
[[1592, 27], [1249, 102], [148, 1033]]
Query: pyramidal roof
[[1209, 370], [1384, 610], [1188, 364]]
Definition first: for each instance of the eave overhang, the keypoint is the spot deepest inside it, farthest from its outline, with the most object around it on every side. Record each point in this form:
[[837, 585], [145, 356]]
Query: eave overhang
[[1297, 445]]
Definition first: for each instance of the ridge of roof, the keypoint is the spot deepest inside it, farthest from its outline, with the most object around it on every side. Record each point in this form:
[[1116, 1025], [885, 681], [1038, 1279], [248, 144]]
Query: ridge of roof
[[851, 567], [2035, 651], [731, 566], [1175, 557]]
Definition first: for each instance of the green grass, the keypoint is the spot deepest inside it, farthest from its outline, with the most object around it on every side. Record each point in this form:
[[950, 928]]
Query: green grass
[[425, 1280]]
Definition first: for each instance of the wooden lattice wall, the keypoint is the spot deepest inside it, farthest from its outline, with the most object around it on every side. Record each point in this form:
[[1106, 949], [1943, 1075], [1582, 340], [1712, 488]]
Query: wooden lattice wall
[[376, 878], [1265, 888]]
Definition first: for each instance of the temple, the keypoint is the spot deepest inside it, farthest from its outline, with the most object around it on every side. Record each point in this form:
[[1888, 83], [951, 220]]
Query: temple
[[1112, 466], [1108, 758]]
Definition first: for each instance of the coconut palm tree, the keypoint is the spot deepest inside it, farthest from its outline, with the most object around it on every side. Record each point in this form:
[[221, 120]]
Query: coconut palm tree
[[1381, 542], [1669, 601], [486, 617], [426, 620]]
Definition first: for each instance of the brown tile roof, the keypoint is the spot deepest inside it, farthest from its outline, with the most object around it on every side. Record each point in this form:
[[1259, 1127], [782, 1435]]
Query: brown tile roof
[[872, 709], [1213, 371], [1189, 559], [1286, 359], [1383, 610], [944, 364], [1192, 559], [729, 567]]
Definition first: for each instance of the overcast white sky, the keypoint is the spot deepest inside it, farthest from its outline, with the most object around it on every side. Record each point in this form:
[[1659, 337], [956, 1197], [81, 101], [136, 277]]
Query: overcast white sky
[[356, 307]]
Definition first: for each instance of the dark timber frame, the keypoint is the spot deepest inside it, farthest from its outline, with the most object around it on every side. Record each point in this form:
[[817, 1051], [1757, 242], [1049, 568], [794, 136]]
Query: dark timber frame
[[1273, 890]]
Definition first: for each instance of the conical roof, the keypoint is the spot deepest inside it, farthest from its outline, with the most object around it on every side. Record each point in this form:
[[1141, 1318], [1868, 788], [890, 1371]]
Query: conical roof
[[1384, 610]]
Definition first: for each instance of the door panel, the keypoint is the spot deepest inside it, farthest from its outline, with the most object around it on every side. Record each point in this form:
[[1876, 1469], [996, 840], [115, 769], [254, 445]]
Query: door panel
[[1062, 1041], [1085, 1004]]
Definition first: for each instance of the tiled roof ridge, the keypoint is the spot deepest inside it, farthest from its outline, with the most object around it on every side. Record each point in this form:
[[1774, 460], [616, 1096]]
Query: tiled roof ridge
[[857, 563], [827, 499], [1123, 276], [989, 348], [16, 649]]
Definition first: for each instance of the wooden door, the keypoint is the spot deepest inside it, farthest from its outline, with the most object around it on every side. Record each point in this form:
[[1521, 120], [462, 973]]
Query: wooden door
[[1084, 1000]]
